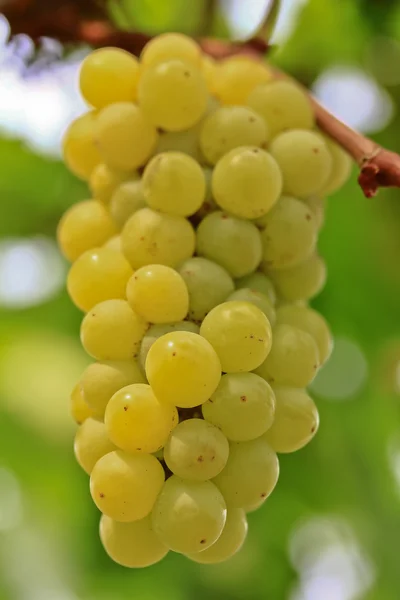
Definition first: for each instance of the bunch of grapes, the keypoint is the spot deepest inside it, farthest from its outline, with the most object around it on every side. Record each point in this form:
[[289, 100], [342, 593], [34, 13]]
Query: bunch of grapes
[[194, 263]]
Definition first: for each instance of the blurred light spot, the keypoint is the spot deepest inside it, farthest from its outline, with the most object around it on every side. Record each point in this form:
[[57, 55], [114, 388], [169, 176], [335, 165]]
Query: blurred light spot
[[287, 19], [345, 373], [382, 57], [355, 98], [10, 500], [31, 271]]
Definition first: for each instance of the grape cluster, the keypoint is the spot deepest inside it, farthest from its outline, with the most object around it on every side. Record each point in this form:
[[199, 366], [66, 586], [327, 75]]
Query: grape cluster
[[193, 263]]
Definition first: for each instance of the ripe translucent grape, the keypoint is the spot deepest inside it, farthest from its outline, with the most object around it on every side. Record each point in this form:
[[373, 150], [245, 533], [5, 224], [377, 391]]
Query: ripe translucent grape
[[156, 331], [236, 77], [250, 475], [174, 183], [258, 299], [283, 105], [91, 443], [158, 294], [104, 181], [168, 46], [183, 369], [301, 282], [242, 406], [150, 237], [125, 486], [109, 75], [304, 159], [208, 285], [296, 420], [341, 168], [173, 95], [80, 152], [229, 127], [136, 421], [84, 226], [247, 182], [259, 283], [196, 450], [111, 330], [97, 275], [233, 243], [239, 333], [293, 360], [133, 545], [80, 410], [189, 516], [124, 136], [126, 200]]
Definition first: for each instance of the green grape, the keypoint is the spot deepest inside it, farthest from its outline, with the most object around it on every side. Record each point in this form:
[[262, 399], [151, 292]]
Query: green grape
[[133, 545], [156, 331], [301, 282], [189, 516], [80, 152], [312, 322], [126, 200], [82, 227], [233, 243], [104, 181], [208, 285], [124, 136], [136, 421], [174, 183], [296, 420], [109, 75], [111, 330], [283, 105], [125, 486], [91, 443], [97, 275], [289, 233], [304, 159], [242, 406], [79, 409], [229, 127], [196, 450], [173, 94], [247, 182], [239, 333], [250, 475], [209, 205], [168, 46], [183, 369], [341, 168], [186, 141], [258, 299], [237, 76], [259, 283], [317, 206], [293, 360], [114, 243], [230, 541], [101, 380], [150, 237]]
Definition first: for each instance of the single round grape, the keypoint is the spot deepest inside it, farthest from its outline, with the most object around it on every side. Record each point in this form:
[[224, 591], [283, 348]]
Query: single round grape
[[242, 406], [189, 516], [183, 369], [124, 136], [79, 409], [97, 275], [80, 152], [158, 294], [169, 46], [173, 95], [258, 299], [150, 237], [301, 282], [239, 333], [304, 159], [229, 127], [109, 75], [289, 233], [156, 331], [114, 243], [247, 182], [136, 421], [101, 380], [84, 226], [283, 105], [104, 181], [250, 475], [237, 76], [125, 486], [208, 285], [91, 443], [317, 205], [230, 541], [133, 545], [341, 169], [186, 141], [233, 243], [111, 330], [196, 450], [174, 183], [293, 360], [126, 200], [258, 282], [296, 420]]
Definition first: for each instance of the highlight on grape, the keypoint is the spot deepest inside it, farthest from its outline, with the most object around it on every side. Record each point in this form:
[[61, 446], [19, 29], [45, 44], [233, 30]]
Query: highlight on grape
[[194, 261]]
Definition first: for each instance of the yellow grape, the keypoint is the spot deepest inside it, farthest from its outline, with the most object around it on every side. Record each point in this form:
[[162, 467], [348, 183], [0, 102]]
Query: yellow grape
[[91, 443], [79, 409], [258, 299], [126, 200], [209, 68], [156, 331], [317, 205], [104, 181], [168, 46], [186, 141], [114, 243], [237, 76], [341, 168], [301, 282], [80, 152]]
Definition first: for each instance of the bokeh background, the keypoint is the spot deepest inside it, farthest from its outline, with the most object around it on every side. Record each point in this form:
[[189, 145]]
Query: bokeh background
[[331, 530]]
